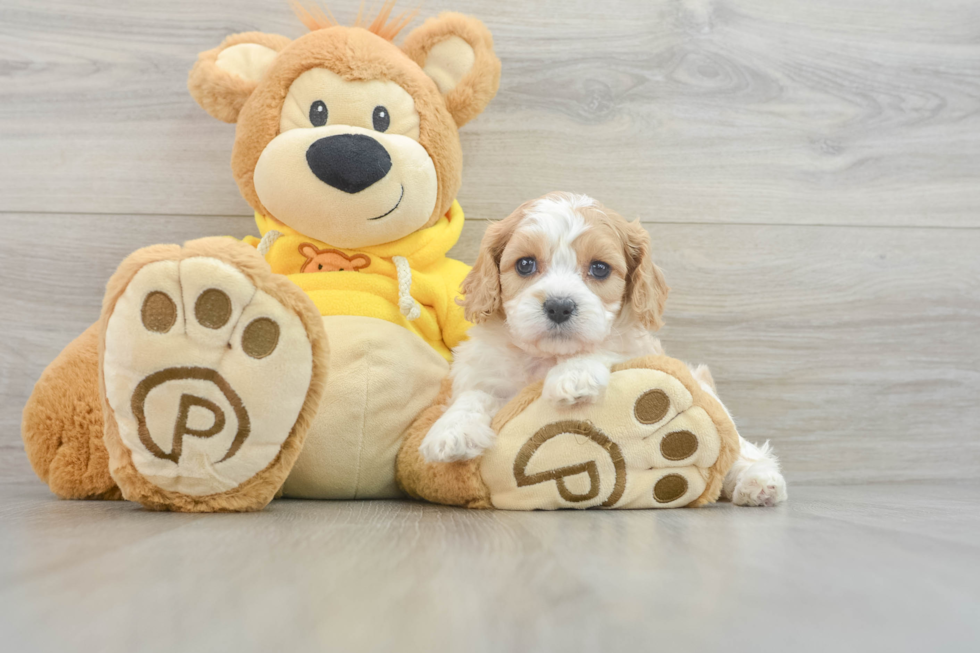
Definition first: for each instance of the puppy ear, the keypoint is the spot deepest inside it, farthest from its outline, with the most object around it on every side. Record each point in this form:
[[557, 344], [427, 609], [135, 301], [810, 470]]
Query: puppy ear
[[481, 287], [223, 78], [456, 51], [646, 289]]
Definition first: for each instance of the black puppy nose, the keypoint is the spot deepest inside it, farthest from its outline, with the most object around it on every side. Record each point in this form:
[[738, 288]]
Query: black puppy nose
[[348, 162], [560, 309]]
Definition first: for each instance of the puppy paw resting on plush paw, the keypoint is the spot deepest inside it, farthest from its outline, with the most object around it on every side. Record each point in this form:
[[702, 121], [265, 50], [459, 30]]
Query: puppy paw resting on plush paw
[[463, 431], [456, 441], [575, 381]]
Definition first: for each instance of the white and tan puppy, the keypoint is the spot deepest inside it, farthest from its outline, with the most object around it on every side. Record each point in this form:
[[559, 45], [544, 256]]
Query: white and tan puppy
[[563, 289]]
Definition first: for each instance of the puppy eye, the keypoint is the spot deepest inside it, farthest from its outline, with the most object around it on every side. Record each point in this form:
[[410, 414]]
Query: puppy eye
[[526, 266], [318, 113], [599, 270], [381, 119]]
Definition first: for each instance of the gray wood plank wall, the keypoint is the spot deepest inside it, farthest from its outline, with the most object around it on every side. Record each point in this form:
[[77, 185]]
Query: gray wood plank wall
[[809, 172]]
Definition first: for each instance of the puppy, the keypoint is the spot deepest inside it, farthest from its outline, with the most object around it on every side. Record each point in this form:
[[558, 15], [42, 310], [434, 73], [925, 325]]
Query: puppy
[[563, 289]]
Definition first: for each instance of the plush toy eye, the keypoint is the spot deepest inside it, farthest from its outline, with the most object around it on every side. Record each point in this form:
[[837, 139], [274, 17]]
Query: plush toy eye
[[381, 119], [318, 113], [526, 266], [599, 270]]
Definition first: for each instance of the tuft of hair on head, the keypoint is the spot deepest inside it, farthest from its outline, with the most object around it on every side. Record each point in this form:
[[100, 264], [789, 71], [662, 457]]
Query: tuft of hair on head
[[383, 24]]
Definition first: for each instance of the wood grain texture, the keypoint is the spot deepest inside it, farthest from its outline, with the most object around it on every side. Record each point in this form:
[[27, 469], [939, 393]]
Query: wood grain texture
[[747, 111], [856, 350], [883, 568]]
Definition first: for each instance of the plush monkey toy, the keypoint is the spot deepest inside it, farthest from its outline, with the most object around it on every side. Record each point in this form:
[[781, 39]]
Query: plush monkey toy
[[204, 386]]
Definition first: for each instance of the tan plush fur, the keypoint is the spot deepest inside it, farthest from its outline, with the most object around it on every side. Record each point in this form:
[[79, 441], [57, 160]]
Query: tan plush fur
[[516, 406], [478, 87], [219, 92], [255, 493], [384, 25], [453, 484], [62, 424]]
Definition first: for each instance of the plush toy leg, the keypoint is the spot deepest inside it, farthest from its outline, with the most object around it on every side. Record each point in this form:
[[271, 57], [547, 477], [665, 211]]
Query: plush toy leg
[[211, 370], [656, 439], [454, 484], [62, 424]]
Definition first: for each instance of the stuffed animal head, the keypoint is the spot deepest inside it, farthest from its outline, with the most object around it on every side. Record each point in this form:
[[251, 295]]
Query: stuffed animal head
[[341, 134]]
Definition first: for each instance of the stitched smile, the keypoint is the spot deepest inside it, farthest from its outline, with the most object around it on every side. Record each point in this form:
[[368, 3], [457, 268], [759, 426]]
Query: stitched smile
[[397, 204]]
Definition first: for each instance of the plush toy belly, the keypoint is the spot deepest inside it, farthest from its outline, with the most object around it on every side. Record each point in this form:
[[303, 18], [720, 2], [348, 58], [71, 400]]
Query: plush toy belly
[[381, 377]]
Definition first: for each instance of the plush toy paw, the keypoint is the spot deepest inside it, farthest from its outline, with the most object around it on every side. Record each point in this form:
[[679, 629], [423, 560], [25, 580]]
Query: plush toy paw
[[209, 365], [576, 381]]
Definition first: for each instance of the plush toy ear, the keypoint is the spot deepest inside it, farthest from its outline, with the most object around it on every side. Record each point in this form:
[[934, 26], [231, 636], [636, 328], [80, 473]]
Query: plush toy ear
[[456, 51], [223, 78]]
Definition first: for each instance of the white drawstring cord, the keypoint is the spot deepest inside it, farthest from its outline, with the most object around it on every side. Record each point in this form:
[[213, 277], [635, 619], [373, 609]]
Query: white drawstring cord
[[267, 241], [408, 306]]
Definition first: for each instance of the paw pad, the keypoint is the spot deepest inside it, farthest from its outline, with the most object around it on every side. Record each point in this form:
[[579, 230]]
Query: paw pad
[[651, 407], [260, 338], [213, 308], [678, 445], [159, 313], [670, 488], [205, 374]]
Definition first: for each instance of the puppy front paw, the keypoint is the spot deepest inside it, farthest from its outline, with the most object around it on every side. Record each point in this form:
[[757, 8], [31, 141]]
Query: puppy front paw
[[451, 439], [576, 382], [759, 485]]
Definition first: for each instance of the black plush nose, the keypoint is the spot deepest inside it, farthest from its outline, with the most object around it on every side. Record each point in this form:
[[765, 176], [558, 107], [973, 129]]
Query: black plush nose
[[348, 162], [559, 310]]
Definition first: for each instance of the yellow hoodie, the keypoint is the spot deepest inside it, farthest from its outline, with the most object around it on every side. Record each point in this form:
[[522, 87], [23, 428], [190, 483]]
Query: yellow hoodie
[[409, 282]]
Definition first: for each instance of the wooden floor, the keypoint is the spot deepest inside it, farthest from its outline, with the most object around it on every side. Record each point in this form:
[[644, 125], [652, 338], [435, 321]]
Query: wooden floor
[[859, 568], [810, 174]]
